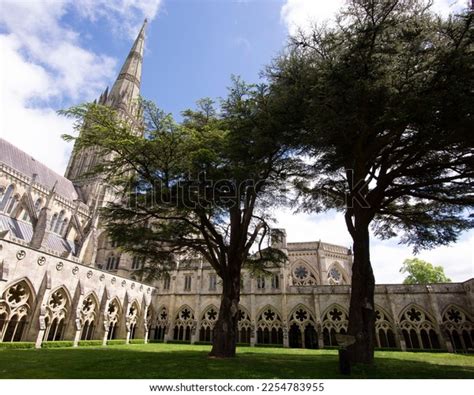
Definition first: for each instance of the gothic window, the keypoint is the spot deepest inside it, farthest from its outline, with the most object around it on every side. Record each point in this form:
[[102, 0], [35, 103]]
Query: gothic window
[[261, 282], [335, 276], [57, 311], [137, 262], [187, 282], [244, 326], [302, 275], [166, 281], [15, 310], [184, 324], [269, 327], [384, 332], [112, 317], [335, 320], [208, 321], [212, 282], [110, 263], [132, 319], [418, 329], [5, 195], [59, 221], [88, 317], [276, 281], [62, 231], [53, 221], [13, 203], [161, 324], [302, 329], [459, 328]]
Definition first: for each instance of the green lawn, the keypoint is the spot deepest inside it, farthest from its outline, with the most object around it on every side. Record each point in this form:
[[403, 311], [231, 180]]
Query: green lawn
[[178, 361]]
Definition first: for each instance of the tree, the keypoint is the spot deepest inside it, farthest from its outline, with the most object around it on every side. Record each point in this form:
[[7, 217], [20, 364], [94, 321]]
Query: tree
[[383, 104], [422, 272], [200, 188]]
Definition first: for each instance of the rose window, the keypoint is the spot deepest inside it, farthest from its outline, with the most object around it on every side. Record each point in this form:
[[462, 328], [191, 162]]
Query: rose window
[[185, 314], [335, 274], [335, 315], [269, 315], [212, 314], [414, 315], [454, 315], [301, 272], [301, 315], [17, 294]]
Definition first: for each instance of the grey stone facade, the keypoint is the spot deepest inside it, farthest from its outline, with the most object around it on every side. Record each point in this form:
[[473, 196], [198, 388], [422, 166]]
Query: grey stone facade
[[62, 279]]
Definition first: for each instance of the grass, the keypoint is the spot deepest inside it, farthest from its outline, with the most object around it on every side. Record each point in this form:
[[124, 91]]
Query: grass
[[180, 361]]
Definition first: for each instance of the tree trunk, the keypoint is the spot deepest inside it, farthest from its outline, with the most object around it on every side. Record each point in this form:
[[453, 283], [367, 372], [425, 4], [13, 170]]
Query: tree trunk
[[362, 311], [225, 330]]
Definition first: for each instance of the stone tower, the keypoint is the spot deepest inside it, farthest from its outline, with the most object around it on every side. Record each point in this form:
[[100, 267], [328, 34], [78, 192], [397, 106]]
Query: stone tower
[[93, 190], [124, 98]]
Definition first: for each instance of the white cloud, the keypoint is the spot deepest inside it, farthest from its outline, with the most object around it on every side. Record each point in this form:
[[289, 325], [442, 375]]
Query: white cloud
[[386, 256], [302, 14], [45, 67]]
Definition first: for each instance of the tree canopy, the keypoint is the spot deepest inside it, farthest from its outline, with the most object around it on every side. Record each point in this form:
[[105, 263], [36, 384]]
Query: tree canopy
[[422, 272], [382, 103], [199, 189]]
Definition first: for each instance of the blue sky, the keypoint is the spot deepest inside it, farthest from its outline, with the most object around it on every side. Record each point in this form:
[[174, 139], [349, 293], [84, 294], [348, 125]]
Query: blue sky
[[57, 53]]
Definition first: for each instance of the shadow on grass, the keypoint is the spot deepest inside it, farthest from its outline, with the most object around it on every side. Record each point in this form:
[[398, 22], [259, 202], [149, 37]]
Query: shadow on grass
[[127, 363]]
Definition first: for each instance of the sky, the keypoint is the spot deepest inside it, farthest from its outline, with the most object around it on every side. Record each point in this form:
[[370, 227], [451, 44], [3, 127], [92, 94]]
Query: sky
[[58, 53]]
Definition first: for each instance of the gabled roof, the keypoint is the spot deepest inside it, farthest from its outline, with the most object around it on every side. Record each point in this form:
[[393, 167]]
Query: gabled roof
[[27, 165]]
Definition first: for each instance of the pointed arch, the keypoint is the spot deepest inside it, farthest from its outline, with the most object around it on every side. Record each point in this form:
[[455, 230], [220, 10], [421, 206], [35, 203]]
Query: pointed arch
[[58, 309], [302, 328], [335, 319], [418, 328], [113, 316], [207, 322], [161, 323], [337, 274], [88, 315], [184, 324], [384, 328], [304, 274], [269, 326], [16, 307], [459, 327], [244, 325], [133, 315]]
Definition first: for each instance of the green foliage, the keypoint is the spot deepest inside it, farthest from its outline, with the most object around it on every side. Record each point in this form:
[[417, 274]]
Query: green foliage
[[57, 344], [384, 105], [13, 345], [137, 341], [90, 343], [422, 272]]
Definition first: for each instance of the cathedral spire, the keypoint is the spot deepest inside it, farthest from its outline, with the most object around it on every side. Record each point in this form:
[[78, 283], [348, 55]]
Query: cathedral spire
[[126, 89]]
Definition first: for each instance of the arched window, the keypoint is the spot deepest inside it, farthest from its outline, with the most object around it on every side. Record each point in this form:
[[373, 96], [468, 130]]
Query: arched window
[[208, 320], [303, 275], [15, 309], [418, 329], [269, 327], [459, 327], [184, 324], [5, 195], [59, 222], [384, 332], [111, 263], [244, 326], [161, 324], [57, 311], [132, 319], [112, 317], [88, 316], [302, 329], [53, 221], [13, 203], [62, 231], [335, 320]]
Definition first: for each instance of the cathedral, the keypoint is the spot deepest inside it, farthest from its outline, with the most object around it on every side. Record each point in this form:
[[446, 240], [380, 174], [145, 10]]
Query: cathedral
[[61, 278]]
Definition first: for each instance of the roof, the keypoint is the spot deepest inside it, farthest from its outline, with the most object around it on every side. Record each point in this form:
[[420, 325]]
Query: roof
[[24, 231], [24, 163]]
